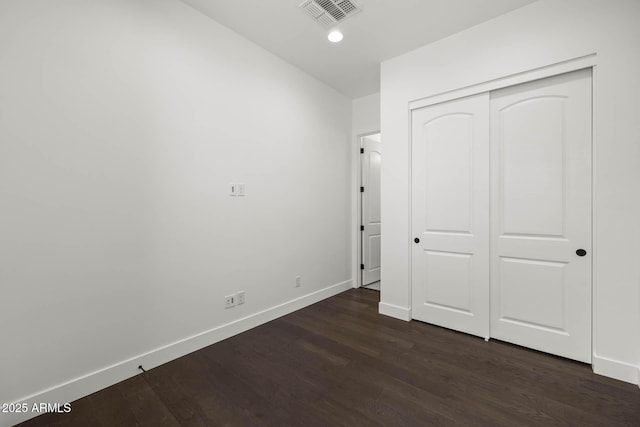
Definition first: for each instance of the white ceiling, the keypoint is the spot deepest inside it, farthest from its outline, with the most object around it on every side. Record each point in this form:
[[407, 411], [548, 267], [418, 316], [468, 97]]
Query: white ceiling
[[384, 29]]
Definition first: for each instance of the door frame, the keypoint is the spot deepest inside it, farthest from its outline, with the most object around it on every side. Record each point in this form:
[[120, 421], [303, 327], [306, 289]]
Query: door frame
[[356, 219], [562, 67]]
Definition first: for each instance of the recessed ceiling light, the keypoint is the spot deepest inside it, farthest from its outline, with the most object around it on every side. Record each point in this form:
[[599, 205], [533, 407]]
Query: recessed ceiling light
[[335, 36]]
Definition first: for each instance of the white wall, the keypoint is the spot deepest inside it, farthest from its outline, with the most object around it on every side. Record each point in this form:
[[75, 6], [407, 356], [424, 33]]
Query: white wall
[[122, 124], [365, 116], [543, 33], [365, 119]]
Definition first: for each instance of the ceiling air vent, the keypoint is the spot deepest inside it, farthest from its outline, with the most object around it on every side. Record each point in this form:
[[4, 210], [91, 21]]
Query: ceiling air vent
[[329, 12]]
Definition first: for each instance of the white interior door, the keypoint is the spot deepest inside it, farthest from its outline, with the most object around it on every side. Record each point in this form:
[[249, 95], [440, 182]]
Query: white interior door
[[450, 214], [541, 215], [370, 229]]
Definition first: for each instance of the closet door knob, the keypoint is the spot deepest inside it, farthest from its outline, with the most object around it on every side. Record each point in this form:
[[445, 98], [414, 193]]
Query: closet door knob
[[416, 240], [581, 252]]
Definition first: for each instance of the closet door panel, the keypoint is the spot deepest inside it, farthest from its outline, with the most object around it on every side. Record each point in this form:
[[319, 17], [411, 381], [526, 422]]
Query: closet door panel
[[450, 215], [541, 215]]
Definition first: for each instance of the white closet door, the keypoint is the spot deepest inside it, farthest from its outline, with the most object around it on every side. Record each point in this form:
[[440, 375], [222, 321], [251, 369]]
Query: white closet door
[[450, 220], [541, 215], [371, 159]]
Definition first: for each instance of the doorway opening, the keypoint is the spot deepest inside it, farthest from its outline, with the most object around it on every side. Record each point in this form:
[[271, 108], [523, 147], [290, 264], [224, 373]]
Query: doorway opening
[[369, 203]]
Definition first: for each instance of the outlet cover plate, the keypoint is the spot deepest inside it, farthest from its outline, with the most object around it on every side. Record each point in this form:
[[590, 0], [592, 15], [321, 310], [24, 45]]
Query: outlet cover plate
[[230, 301]]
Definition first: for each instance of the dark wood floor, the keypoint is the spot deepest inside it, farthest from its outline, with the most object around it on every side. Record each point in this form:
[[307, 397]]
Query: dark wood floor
[[340, 363]]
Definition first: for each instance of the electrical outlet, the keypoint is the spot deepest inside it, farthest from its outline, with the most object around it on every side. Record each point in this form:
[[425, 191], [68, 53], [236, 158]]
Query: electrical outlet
[[298, 281], [230, 301], [240, 297], [241, 189]]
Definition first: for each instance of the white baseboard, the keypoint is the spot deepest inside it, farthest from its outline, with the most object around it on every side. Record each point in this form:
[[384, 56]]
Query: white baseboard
[[615, 369], [100, 379], [402, 313]]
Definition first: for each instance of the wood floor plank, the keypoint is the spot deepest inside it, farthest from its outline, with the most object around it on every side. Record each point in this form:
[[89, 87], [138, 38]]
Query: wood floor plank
[[340, 363]]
